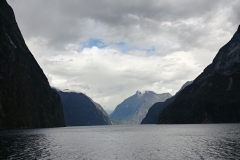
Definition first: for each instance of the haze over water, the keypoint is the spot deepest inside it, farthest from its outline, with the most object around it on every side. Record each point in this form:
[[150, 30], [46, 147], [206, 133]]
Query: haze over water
[[210, 141]]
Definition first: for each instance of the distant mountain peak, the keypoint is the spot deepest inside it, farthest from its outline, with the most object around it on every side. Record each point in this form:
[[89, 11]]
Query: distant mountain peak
[[144, 92], [238, 31], [155, 110], [134, 109], [138, 93]]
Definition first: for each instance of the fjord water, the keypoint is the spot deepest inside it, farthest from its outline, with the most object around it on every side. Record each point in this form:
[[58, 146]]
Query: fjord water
[[210, 141]]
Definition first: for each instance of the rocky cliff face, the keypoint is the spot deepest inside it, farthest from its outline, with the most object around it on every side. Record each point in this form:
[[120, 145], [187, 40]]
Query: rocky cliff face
[[26, 99], [134, 109], [80, 110], [152, 116], [228, 56], [214, 95]]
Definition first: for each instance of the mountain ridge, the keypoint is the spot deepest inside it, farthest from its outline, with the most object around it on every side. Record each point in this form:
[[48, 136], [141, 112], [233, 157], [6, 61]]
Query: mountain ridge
[[81, 110], [155, 110], [213, 96], [134, 108]]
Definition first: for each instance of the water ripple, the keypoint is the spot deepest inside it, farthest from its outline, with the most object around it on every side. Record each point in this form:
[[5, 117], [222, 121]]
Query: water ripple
[[215, 141]]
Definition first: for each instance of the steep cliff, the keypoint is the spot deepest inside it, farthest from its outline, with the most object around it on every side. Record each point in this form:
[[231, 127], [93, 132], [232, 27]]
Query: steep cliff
[[80, 110], [214, 95], [26, 99]]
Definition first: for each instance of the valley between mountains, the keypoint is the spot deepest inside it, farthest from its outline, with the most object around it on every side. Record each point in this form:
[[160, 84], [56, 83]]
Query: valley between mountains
[[28, 101]]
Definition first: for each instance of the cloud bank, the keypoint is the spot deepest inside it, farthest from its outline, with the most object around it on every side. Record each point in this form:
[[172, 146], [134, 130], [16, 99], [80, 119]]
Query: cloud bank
[[109, 49]]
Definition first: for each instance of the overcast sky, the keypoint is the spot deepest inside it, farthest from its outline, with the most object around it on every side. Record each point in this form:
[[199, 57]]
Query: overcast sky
[[109, 49]]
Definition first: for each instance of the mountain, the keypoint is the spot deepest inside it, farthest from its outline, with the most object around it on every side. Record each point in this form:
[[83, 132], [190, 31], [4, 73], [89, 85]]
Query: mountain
[[26, 98], [214, 95], [133, 109], [80, 110], [152, 116]]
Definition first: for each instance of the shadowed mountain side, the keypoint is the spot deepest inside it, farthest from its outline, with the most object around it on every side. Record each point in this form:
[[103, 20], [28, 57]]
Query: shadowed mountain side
[[26, 98], [152, 116], [80, 110], [213, 97]]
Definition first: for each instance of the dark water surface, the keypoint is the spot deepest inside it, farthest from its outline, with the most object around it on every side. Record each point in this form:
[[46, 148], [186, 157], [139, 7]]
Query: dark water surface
[[212, 141]]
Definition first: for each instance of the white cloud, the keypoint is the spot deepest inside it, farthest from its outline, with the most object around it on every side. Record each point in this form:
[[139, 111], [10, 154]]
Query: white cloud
[[145, 45], [109, 76]]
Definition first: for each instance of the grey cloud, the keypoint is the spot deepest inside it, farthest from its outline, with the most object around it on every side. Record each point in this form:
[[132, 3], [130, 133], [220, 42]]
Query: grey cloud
[[115, 12], [196, 28], [62, 22], [235, 5]]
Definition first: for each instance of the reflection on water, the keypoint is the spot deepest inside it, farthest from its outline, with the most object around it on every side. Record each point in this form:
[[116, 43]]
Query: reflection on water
[[23, 144], [218, 141]]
